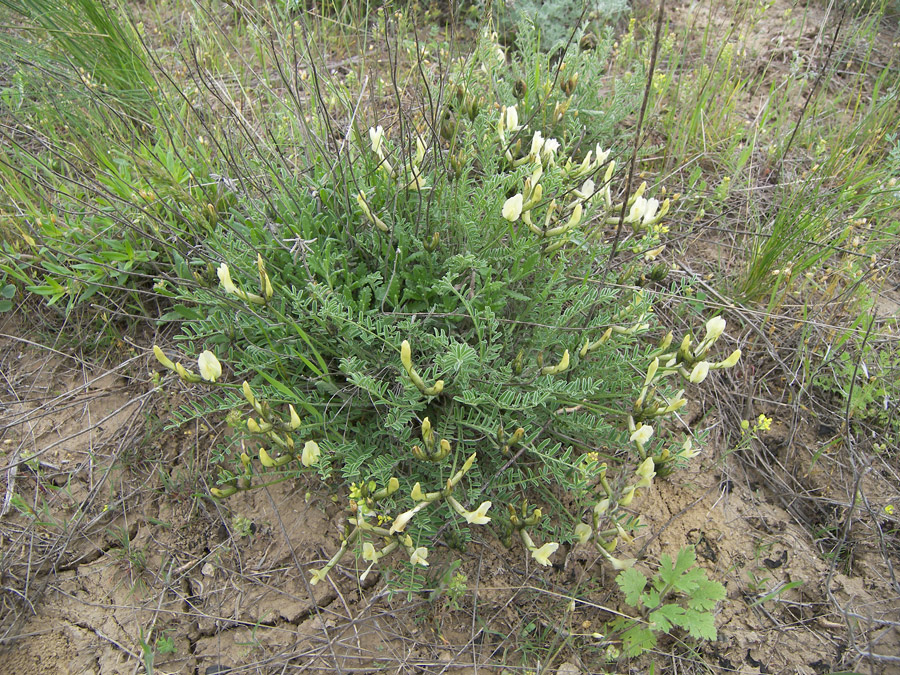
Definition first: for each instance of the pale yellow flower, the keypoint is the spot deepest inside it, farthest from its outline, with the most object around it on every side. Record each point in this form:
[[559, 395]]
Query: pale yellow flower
[[295, 418], [542, 554], [265, 459], [376, 136], [512, 208], [478, 517], [162, 358], [368, 552], [310, 454], [642, 434], [646, 473], [210, 368], [419, 556], [699, 373], [512, 119], [225, 279], [583, 532], [732, 360], [714, 328]]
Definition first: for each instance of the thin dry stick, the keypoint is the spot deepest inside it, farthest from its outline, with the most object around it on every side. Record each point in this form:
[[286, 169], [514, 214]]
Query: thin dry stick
[[637, 135]]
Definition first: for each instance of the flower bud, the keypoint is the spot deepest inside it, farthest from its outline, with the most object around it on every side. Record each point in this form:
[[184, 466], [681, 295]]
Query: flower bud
[[295, 418], [732, 360], [406, 355], [265, 284], [162, 358], [376, 136]]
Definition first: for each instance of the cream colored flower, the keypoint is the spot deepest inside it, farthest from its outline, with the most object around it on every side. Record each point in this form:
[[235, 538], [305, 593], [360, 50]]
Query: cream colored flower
[[587, 189], [542, 554], [210, 368], [650, 211], [583, 532], [478, 517], [376, 136], [642, 435], [225, 278], [512, 119], [401, 521], [638, 209], [627, 495], [369, 553], [512, 208], [317, 576], [310, 454], [699, 373], [548, 152], [537, 142], [646, 473], [601, 507], [714, 328], [687, 450], [295, 418], [418, 557]]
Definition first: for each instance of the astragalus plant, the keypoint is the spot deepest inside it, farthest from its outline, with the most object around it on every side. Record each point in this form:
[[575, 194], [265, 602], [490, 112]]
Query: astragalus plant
[[428, 317]]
